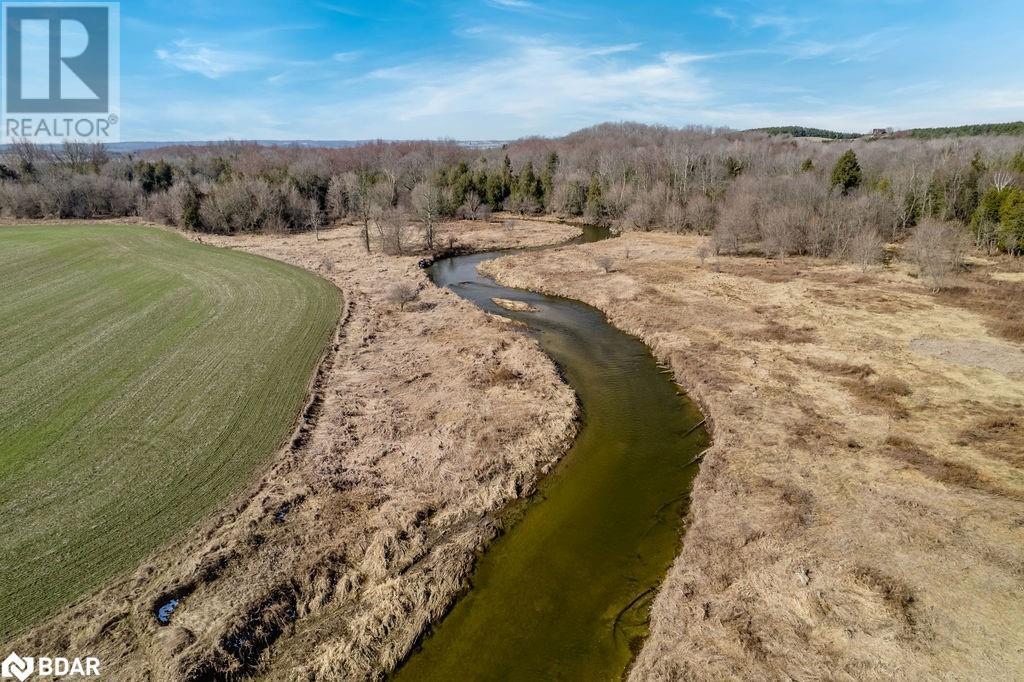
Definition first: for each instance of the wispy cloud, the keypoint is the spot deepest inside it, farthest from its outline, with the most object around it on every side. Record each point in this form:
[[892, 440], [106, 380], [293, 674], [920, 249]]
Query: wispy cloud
[[724, 14], [209, 60], [533, 8], [786, 25], [857, 49], [297, 72], [512, 4], [540, 81], [339, 9]]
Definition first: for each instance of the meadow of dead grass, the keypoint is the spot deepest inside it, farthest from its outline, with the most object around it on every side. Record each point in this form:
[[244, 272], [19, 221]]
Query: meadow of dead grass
[[861, 513], [426, 420]]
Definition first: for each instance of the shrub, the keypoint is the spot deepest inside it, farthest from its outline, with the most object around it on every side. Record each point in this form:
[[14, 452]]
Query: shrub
[[605, 263], [937, 248], [22, 201], [866, 248], [254, 205], [402, 294]]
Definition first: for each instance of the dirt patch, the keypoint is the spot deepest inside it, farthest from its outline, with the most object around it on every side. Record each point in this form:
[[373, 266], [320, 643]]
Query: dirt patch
[[860, 514], [997, 357], [364, 527]]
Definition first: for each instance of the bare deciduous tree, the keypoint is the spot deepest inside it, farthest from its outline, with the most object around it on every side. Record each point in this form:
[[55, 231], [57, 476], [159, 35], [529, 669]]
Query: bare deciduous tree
[[737, 223], [866, 248], [605, 263], [474, 208], [937, 248], [316, 218], [402, 294], [703, 251], [392, 227], [338, 203], [427, 202]]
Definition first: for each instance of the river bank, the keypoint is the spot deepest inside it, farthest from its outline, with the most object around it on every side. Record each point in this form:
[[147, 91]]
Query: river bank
[[862, 510], [433, 416], [565, 592]]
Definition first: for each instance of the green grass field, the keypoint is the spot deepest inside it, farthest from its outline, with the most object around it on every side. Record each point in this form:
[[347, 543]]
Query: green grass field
[[143, 379]]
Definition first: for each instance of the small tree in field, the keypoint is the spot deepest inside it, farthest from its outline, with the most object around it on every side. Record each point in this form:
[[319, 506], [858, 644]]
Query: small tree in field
[[428, 203], [937, 248], [392, 228], [703, 251], [402, 294], [316, 217], [866, 249], [847, 175]]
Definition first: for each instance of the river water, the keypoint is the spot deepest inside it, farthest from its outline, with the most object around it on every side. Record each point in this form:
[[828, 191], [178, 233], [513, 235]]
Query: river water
[[565, 592]]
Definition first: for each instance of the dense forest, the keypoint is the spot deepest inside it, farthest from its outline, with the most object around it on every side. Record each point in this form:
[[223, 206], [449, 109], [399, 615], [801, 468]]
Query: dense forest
[[802, 131], [1016, 128], [751, 191]]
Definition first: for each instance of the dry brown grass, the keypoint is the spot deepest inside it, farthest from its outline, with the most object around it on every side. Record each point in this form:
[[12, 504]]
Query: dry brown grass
[[860, 515], [334, 560], [999, 299], [1000, 434], [502, 231]]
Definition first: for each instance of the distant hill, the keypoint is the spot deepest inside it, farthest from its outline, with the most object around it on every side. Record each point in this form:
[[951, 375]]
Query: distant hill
[[801, 131], [143, 146], [1016, 128]]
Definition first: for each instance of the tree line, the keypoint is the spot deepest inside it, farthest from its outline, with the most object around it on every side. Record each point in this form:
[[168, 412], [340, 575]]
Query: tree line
[[750, 191]]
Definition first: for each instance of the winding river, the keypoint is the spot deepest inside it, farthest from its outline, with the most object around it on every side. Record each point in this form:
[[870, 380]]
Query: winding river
[[565, 592]]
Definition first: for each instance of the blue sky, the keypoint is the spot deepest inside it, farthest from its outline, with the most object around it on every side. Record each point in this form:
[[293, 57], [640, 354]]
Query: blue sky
[[499, 69]]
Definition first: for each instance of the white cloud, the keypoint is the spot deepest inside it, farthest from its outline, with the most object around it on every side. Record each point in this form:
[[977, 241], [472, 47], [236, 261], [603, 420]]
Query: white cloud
[[511, 4], [722, 13], [539, 86], [858, 49], [999, 99], [209, 60], [786, 25]]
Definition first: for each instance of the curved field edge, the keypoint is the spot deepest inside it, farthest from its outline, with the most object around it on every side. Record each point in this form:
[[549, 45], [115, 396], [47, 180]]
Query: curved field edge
[[360, 533], [144, 379]]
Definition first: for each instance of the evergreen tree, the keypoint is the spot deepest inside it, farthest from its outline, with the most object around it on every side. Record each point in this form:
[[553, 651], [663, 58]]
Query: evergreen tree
[[595, 203], [494, 193], [733, 167], [506, 177], [1011, 221], [547, 179], [1017, 162], [847, 174], [528, 184], [988, 207], [191, 198], [575, 198]]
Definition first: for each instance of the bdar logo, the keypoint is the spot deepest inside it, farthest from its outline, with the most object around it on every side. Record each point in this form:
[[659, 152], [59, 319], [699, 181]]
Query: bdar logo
[[16, 666]]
